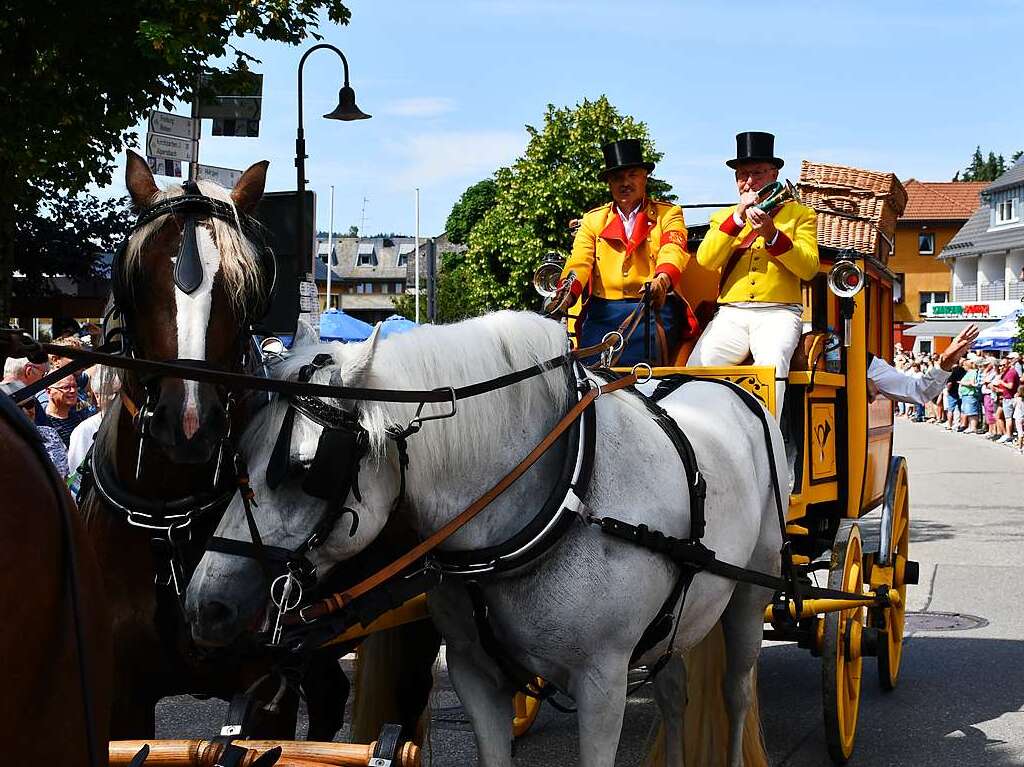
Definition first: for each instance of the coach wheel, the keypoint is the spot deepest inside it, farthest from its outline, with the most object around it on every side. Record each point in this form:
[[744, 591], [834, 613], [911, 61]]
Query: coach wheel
[[896, 539], [841, 651], [524, 711]]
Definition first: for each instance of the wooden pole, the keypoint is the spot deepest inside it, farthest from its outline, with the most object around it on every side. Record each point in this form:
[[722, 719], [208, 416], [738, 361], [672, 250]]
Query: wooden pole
[[204, 753]]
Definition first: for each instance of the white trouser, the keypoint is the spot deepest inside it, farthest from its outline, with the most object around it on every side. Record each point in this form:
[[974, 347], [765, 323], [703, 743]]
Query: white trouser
[[769, 334]]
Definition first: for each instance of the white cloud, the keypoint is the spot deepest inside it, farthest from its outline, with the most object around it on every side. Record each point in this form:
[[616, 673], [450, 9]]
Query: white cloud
[[425, 106], [430, 158]]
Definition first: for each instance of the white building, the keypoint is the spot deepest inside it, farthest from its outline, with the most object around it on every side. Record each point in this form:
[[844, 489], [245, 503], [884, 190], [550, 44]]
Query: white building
[[987, 255]]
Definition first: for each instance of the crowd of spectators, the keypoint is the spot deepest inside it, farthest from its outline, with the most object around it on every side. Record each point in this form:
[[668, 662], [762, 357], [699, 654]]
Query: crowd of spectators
[[67, 412], [984, 395]]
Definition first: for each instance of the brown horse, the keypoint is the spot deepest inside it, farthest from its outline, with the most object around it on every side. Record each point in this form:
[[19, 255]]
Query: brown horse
[[189, 282], [55, 644]]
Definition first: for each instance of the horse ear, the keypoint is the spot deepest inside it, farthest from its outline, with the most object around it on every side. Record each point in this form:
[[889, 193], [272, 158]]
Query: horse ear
[[249, 189], [358, 366], [139, 180], [305, 335]]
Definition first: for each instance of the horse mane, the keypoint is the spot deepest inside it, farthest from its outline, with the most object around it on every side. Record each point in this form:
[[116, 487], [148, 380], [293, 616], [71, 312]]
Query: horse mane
[[438, 357], [240, 264]]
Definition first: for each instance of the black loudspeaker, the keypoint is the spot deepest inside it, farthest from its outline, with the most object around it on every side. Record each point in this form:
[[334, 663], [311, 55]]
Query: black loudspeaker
[[278, 213]]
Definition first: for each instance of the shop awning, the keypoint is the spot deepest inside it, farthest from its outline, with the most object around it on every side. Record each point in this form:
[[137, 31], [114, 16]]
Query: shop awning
[[945, 328]]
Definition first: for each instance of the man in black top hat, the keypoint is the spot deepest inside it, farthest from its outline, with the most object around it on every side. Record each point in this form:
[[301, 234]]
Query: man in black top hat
[[763, 258], [621, 248]]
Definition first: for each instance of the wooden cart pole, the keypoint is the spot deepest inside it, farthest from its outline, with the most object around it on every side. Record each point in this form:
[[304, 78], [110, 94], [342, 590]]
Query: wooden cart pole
[[204, 753]]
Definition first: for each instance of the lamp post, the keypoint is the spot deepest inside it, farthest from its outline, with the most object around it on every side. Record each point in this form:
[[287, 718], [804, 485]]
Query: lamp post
[[346, 110]]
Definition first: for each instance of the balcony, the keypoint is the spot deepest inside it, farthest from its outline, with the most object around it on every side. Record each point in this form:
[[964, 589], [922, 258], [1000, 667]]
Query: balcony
[[966, 292], [993, 291], [1016, 291]]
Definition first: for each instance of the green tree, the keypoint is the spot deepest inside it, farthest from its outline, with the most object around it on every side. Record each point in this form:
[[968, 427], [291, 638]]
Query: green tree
[[553, 182], [78, 76], [470, 209], [66, 236], [981, 168], [1017, 155]]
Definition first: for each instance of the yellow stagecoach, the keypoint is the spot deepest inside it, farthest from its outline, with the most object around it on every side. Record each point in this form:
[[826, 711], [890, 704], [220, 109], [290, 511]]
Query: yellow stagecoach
[[839, 443]]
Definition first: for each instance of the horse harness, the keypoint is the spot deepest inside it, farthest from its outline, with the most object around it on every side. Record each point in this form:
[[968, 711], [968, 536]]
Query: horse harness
[[171, 520]]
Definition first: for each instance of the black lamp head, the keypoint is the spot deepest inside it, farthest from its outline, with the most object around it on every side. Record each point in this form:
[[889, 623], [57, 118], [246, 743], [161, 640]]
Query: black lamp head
[[347, 109]]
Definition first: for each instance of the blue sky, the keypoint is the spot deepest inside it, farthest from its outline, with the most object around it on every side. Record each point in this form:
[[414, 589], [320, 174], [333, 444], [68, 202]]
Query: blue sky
[[909, 87]]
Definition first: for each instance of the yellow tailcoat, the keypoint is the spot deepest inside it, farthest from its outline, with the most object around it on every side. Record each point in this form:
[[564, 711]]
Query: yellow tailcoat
[[617, 268], [763, 274]]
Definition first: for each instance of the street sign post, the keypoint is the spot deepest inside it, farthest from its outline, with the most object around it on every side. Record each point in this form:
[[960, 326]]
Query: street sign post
[[172, 148], [226, 177], [169, 124]]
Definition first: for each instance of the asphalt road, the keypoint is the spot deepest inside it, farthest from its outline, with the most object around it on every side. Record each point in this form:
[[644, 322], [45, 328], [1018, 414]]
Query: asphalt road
[[961, 693]]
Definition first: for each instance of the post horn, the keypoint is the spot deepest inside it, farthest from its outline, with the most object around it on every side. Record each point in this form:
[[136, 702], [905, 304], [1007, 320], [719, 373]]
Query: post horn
[[775, 193]]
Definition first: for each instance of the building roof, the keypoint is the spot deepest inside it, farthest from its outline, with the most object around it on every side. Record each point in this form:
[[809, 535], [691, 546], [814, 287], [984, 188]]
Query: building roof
[[1012, 177], [974, 237], [941, 200], [387, 252]]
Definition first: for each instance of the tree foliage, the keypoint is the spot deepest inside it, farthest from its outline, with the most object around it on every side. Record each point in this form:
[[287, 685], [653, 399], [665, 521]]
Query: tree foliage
[[78, 76], [65, 236], [471, 207], [983, 168], [553, 182]]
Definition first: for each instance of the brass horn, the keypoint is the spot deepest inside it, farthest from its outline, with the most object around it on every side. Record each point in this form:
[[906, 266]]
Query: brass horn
[[845, 278], [547, 275], [776, 193]]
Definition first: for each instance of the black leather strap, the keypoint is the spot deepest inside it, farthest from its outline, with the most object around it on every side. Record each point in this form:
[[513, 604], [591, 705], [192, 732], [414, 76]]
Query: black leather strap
[[386, 750]]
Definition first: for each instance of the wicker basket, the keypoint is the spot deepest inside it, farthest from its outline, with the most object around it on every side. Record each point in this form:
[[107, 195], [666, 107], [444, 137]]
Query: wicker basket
[[852, 206]]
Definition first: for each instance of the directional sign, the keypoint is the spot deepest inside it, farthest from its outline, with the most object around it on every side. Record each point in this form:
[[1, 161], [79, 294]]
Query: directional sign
[[226, 177], [233, 107], [171, 148], [224, 126], [173, 125], [234, 95], [162, 167]]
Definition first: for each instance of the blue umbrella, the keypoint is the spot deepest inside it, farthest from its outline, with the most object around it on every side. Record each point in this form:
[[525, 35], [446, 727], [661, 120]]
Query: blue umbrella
[[396, 323], [1000, 337], [335, 325]]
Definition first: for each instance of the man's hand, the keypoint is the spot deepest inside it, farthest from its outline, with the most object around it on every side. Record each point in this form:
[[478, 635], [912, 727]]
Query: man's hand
[[761, 223], [563, 299], [959, 347], [747, 199], [659, 287]]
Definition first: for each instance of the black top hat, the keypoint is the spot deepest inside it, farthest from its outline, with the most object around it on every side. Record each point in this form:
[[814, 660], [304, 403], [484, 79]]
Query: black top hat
[[755, 146], [624, 153]]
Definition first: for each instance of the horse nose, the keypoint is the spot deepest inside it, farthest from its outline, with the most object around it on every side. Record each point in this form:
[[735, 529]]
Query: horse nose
[[162, 423], [215, 623]]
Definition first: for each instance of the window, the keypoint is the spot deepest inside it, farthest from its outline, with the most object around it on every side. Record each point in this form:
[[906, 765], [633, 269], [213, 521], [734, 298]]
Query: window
[[1006, 211], [384, 287], [404, 251], [367, 256], [898, 288], [398, 287], [367, 287], [926, 244], [935, 296], [925, 346]]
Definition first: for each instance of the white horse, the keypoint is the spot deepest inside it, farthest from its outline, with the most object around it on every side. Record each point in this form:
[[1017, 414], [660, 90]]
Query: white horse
[[575, 616]]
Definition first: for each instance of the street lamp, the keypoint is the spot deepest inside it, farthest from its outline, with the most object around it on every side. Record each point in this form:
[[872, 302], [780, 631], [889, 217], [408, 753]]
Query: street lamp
[[346, 110]]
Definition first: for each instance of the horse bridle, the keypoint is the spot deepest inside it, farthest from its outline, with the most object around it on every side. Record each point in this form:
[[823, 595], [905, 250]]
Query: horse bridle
[[191, 208]]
